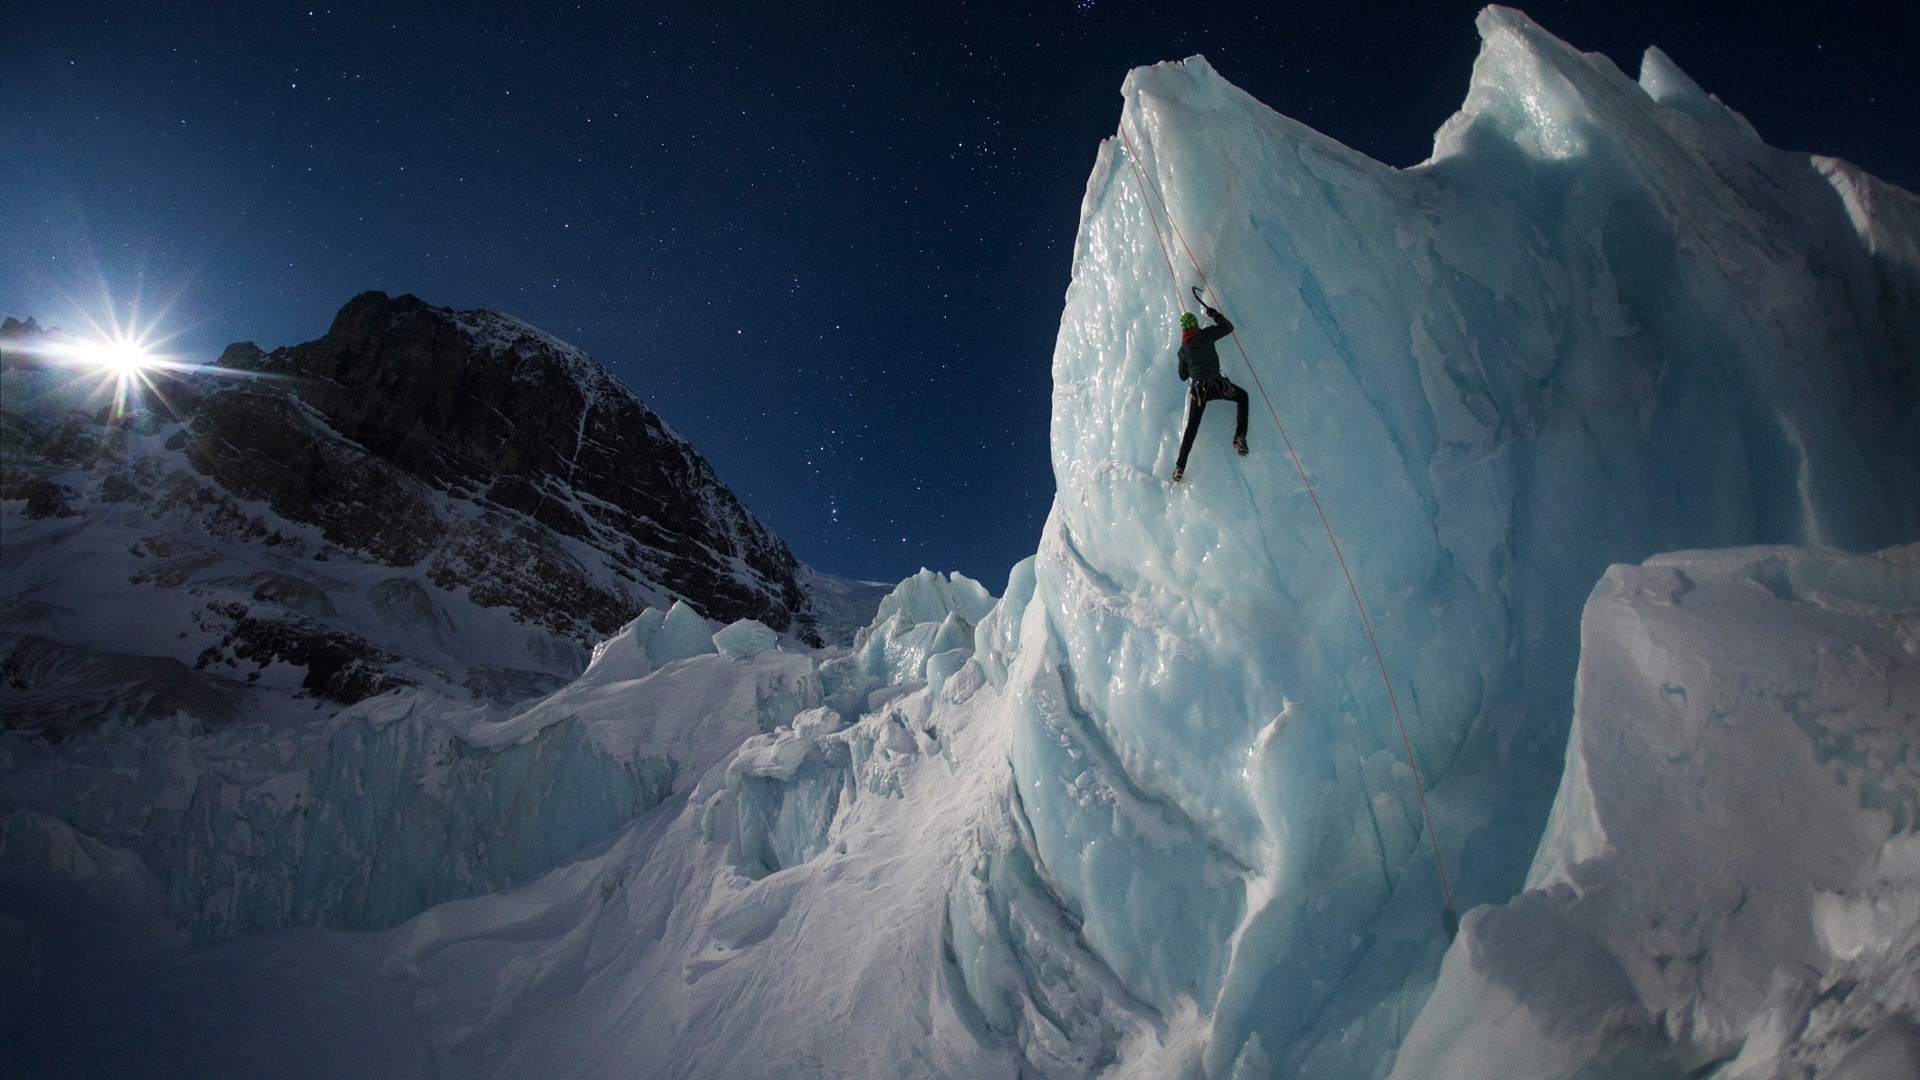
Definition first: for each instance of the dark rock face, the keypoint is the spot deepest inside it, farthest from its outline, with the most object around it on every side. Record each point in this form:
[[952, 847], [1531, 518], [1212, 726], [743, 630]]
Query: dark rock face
[[261, 445], [488, 409]]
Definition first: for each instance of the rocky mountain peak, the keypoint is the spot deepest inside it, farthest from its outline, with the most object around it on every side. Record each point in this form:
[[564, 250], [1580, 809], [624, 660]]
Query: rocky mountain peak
[[483, 406], [420, 495]]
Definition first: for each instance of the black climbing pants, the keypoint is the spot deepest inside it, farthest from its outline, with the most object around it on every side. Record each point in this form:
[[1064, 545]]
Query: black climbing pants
[[1197, 397]]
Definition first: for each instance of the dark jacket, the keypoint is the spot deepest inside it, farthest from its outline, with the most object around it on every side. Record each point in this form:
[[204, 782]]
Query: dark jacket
[[1198, 360]]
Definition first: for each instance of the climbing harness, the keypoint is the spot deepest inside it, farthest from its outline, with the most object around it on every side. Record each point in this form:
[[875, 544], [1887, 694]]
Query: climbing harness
[[1449, 917]]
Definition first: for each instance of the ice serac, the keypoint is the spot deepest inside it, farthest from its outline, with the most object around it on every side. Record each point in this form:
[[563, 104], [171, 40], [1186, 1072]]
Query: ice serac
[[401, 802], [801, 877], [1603, 320], [1731, 875], [923, 632]]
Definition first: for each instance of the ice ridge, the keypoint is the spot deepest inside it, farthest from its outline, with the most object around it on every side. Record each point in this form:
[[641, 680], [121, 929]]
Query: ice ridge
[[1602, 321]]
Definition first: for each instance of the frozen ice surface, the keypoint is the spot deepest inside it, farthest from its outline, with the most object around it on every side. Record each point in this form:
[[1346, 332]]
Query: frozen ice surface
[[405, 800], [997, 636], [1732, 869], [361, 822], [925, 616], [654, 639], [1601, 322], [744, 638], [682, 633]]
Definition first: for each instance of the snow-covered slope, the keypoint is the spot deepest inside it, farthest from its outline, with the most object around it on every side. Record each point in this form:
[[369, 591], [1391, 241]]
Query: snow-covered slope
[[452, 500], [739, 865], [1732, 871]]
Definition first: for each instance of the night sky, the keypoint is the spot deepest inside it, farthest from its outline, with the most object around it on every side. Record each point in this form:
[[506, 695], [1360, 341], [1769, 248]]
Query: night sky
[[828, 243]]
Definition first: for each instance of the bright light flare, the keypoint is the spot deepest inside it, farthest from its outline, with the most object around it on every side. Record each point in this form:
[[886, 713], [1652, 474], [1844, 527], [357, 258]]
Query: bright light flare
[[117, 359], [123, 361], [124, 358]]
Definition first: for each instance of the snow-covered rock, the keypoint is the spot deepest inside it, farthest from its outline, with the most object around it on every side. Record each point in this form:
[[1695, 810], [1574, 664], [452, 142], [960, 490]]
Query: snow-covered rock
[[452, 500], [1732, 870]]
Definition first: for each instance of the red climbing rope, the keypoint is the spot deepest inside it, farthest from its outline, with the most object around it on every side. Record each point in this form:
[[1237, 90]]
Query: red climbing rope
[[1154, 194]]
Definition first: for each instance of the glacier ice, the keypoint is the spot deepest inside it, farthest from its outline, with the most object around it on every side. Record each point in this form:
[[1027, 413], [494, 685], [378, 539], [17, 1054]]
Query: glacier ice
[[413, 798], [360, 824], [926, 614], [997, 636], [743, 638], [1729, 874], [924, 617], [1602, 321], [776, 802], [654, 639], [46, 865], [409, 799]]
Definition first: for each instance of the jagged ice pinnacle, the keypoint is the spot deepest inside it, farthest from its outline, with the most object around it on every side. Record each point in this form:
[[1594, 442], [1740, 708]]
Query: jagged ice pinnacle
[[1602, 321]]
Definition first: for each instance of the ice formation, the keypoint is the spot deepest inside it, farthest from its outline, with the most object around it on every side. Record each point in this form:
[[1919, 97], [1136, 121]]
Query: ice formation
[[1731, 875], [768, 841], [409, 799], [1602, 321], [1148, 815]]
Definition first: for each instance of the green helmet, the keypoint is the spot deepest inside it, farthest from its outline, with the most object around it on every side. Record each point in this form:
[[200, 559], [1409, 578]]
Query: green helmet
[[1189, 321]]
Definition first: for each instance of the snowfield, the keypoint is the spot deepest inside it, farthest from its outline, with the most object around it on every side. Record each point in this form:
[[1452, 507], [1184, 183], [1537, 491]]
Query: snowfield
[[1149, 814]]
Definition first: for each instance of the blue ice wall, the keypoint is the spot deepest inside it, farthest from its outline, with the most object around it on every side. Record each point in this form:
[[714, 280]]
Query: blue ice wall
[[1603, 321], [360, 824]]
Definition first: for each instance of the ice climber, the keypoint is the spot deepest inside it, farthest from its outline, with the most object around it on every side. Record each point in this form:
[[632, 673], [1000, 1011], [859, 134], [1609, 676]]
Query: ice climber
[[1200, 363]]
